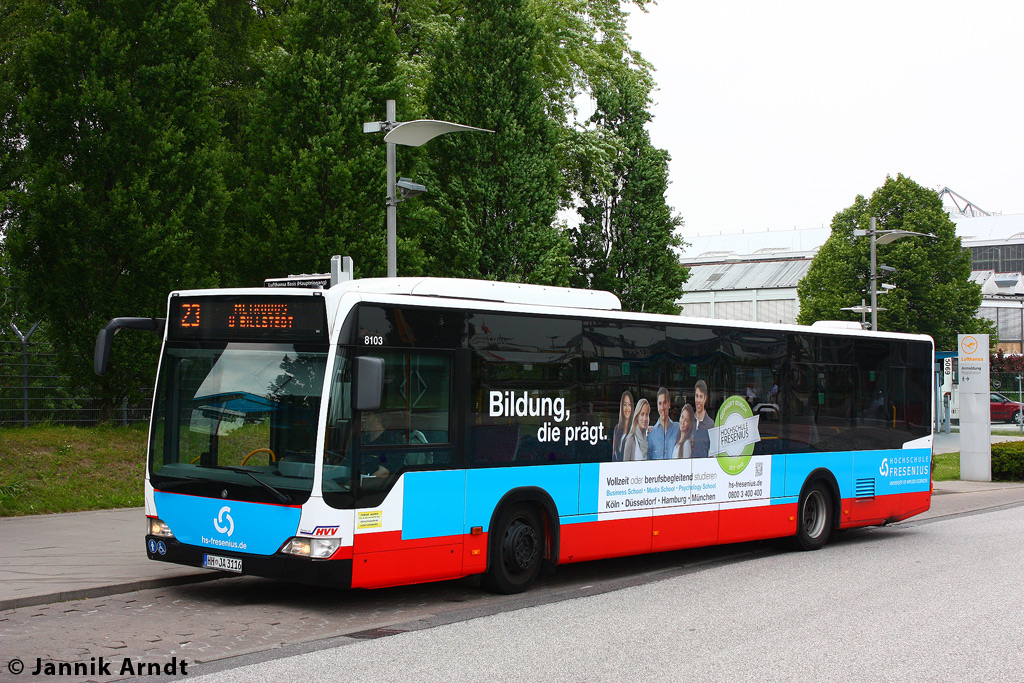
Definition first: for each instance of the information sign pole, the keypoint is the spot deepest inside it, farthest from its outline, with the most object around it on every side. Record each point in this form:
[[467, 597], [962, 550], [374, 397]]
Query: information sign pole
[[975, 417]]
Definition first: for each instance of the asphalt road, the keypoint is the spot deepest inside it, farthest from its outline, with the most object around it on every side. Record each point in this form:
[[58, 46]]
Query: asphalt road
[[938, 600]]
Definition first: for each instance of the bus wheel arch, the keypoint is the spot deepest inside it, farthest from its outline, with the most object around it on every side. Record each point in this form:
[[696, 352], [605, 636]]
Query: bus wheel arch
[[522, 536], [817, 511]]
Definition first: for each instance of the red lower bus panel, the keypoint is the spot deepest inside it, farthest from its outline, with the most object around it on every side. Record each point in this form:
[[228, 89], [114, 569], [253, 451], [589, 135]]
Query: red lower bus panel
[[916, 503], [754, 523], [383, 559], [691, 530], [383, 541], [870, 511], [474, 554], [410, 565], [599, 540]]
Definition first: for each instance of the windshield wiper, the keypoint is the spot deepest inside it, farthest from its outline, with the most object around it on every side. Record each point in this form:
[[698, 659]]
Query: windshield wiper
[[280, 495]]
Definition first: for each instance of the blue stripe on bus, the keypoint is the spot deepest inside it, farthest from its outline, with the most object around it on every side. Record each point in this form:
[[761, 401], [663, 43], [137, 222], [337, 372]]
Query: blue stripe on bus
[[590, 487], [218, 524], [886, 472], [561, 482], [778, 476], [434, 504], [575, 488], [799, 465], [578, 519]]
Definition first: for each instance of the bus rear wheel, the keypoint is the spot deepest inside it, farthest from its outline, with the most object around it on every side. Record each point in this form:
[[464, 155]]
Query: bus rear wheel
[[814, 524], [516, 551]]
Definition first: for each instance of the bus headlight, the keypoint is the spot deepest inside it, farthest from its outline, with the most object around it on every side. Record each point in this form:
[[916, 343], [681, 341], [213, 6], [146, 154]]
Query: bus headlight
[[157, 527], [317, 548]]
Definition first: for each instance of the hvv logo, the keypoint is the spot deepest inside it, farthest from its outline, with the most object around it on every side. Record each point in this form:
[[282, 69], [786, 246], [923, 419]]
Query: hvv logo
[[883, 470], [219, 520]]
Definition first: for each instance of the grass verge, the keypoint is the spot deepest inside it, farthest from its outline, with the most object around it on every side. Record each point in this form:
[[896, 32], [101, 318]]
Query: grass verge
[[947, 467], [54, 468]]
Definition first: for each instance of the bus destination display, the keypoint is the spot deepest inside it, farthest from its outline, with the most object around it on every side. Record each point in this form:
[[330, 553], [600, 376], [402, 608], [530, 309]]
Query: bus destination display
[[248, 318]]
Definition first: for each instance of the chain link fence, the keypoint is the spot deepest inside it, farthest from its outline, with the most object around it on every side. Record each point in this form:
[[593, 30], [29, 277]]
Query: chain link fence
[[1009, 384], [32, 391]]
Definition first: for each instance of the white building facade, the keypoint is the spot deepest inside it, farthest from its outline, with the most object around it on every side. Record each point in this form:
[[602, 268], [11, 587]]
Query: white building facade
[[753, 276]]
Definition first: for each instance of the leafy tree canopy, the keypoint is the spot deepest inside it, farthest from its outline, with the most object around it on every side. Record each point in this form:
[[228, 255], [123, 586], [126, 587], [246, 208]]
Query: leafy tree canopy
[[495, 194], [119, 196], [934, 293], [626, 241], [315, 182]]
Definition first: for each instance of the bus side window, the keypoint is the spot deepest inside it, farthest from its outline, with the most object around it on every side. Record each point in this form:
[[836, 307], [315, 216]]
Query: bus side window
[[339, 416], [414, 411]]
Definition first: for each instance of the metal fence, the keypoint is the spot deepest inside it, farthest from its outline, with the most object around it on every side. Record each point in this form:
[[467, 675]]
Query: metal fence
[[32, 390], [1008, 383]]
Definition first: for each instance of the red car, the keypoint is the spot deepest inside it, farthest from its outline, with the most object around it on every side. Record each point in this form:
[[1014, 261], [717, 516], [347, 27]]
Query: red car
[[1004, 410]]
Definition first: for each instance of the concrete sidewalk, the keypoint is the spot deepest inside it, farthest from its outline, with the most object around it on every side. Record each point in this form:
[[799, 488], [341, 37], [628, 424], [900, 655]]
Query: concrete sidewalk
[[53, 558], [77, 555], [950, 443]]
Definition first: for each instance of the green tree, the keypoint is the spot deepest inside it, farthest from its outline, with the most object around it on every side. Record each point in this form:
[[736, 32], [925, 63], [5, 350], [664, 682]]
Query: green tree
[[934, 294], [583, 46], [315, 182], [626, 241], [119, 196], [495, 194], [578, 43]]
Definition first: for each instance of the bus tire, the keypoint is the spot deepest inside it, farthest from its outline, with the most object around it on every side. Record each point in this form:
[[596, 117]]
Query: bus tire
[[517, 550], [814, 521]]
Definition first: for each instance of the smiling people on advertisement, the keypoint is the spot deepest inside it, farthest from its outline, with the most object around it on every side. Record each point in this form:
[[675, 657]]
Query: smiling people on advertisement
[[684, 444], [701, 438], [636, 441], [622, 427], [665, 433]]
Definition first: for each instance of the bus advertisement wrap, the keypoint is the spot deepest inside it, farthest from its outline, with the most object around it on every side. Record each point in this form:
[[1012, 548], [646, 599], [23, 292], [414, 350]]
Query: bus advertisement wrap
[[727, 474], [632, 486]]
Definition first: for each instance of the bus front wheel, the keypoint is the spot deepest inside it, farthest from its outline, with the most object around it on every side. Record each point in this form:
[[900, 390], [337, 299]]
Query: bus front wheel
[[516, 551], [814, 524]]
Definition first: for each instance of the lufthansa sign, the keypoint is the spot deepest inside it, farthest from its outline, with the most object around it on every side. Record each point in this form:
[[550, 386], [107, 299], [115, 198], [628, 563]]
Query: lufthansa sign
[[972, 354]]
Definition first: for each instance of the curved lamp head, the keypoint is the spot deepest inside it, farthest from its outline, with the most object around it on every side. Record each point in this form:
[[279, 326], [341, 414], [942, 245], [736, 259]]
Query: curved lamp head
[[416, 133]]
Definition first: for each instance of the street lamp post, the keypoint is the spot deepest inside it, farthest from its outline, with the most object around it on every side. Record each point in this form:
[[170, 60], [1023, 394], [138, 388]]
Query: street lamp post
[[410, 134], [881, 237], [863, 309]]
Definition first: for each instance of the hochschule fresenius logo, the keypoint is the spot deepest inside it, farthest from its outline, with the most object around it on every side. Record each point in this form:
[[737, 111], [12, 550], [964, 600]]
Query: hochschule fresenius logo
[[223, 522]]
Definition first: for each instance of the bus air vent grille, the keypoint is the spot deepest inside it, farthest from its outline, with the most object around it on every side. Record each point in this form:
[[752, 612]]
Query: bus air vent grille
[[865, 488]]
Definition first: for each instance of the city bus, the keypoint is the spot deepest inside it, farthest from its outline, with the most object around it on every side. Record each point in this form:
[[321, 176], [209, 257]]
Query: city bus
[[382, 432]]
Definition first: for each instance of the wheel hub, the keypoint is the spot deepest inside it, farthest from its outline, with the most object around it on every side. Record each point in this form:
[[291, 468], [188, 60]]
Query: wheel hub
[[521, 547], [814, 514]]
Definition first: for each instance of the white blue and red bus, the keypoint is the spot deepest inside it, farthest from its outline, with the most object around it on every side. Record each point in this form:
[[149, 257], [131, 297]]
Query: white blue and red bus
[[383, 432]]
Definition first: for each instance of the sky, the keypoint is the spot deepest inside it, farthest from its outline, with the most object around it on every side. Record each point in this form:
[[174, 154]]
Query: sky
[[777, 114]]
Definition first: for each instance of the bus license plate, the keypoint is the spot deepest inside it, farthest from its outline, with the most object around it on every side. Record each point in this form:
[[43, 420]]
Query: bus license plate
[[227, 564]]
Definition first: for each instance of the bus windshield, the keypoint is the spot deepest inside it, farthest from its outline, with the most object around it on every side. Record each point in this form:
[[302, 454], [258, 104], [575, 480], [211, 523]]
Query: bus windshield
[[237, 420]]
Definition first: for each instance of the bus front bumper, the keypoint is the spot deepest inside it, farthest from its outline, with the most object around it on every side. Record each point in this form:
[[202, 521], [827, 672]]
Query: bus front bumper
[[334, 573]]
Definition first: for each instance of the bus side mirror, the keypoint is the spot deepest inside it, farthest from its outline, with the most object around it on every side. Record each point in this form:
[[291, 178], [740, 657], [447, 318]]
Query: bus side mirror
[[101, 354], [369, 382]]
